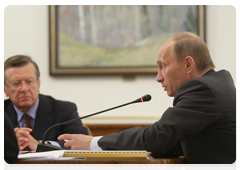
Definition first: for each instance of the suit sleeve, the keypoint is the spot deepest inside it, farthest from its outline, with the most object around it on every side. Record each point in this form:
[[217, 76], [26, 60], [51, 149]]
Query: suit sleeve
[[194, 109]]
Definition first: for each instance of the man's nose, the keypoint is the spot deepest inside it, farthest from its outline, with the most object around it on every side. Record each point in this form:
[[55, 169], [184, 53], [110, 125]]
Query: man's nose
[[159, 77], [23, 86]]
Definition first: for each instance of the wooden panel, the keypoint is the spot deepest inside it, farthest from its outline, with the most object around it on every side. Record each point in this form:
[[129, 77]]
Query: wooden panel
[[104, 129], [128, 164]]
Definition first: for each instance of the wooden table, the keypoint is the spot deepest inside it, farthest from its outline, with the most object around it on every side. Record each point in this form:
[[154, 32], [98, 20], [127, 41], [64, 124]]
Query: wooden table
[[160, 164]]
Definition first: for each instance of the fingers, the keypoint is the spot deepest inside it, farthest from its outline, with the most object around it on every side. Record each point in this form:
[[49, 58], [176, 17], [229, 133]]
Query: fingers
[[22, 131], [23, 137], [29, 142], [71, 140], [68, 144], [16, 129], [21, 148], [61, 137], [66, 137], [72, 144], [22, 140], [76, 141], [23, 145]]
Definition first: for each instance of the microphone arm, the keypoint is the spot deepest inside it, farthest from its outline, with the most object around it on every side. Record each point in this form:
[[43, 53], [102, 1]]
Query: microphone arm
[[46, 147]]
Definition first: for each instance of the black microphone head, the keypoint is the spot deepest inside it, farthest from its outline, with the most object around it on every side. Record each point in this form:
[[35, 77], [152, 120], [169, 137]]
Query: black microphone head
[[145, 98]]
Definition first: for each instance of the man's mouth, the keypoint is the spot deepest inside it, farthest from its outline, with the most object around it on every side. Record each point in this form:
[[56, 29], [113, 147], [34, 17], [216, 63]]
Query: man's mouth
[[24, 97]]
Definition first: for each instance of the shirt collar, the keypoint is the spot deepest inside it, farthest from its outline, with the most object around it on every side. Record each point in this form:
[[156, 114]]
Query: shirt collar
[[32, 112]]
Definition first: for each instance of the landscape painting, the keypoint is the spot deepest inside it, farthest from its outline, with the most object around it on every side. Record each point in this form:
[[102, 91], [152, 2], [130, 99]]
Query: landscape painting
[[115, 39]]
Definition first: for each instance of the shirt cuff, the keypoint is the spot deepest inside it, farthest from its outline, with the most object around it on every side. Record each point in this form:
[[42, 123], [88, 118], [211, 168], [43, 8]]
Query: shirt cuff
[[94, 144], [54, 143]]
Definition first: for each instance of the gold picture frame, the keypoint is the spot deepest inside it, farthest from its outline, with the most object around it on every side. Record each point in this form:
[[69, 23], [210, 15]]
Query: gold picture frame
[[77, 53]]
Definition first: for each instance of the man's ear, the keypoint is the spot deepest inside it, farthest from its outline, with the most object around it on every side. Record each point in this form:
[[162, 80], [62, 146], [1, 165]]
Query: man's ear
[[189, 64], [5, 91], [39, 85]]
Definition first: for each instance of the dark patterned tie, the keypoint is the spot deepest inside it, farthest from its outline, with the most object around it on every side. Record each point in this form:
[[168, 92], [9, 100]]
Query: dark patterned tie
[[27, 119]]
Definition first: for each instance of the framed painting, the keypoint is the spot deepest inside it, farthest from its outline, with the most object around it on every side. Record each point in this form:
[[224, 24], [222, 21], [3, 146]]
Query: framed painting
[[115, 39]]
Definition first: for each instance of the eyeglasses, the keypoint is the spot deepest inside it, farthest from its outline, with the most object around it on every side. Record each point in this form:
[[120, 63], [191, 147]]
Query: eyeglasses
[[18, 84]]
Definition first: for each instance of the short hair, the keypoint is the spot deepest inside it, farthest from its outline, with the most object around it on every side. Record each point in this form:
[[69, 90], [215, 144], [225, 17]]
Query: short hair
[[19, 61], [189, 44]]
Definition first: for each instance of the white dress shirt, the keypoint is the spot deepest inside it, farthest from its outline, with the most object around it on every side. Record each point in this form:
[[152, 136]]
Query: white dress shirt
[[94, 144]]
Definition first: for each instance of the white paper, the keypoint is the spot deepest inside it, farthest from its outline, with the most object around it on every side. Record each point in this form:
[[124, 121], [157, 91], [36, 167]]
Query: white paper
[[42, 155]]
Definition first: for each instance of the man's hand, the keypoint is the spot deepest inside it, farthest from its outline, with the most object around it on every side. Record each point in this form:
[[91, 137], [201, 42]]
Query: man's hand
[[76, 141], [25, 139]]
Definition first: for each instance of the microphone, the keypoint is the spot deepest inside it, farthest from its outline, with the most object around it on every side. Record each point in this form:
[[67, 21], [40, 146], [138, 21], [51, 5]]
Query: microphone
[[42, 147]]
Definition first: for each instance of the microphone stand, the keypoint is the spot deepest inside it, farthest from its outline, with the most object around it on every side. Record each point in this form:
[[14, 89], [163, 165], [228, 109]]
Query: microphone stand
[[47, 147]]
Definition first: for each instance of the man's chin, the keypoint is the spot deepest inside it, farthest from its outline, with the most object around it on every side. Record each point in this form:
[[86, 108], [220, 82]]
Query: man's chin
[[170, 94], [26, 104]]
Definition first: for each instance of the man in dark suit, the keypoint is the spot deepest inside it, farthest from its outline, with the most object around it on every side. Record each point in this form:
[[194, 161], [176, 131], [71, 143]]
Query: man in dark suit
[[201, 125], [21, 85], [10, 141]]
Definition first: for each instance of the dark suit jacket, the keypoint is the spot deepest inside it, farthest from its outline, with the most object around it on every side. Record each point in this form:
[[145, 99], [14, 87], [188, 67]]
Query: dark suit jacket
[[201, 125], [50, 111], [10, 141]]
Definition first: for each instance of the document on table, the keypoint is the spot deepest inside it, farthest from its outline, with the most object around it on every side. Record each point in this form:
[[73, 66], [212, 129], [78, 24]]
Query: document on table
[[42, 155]]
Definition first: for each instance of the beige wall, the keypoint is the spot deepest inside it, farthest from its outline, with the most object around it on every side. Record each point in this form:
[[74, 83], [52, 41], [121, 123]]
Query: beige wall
[[26, 32]]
